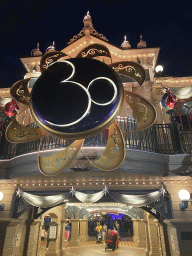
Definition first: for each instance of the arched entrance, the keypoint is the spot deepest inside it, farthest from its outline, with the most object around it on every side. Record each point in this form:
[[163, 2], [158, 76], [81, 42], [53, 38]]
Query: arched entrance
[[148, 232]]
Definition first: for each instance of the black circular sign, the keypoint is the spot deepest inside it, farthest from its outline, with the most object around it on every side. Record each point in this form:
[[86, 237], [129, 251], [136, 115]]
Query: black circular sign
[[76, 98]]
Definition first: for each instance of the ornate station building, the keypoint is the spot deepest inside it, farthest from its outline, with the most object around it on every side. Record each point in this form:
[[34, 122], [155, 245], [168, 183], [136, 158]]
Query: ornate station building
[[145, 188]]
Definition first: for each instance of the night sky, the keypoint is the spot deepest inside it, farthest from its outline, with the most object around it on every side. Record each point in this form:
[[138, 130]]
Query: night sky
[[24, 23]]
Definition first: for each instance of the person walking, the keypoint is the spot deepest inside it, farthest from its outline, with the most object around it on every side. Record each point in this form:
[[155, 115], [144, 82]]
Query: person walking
[[67, 231], [104, 231]]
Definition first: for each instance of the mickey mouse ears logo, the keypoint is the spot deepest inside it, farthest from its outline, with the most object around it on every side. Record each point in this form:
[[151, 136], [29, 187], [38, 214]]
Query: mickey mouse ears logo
[[76, 98]]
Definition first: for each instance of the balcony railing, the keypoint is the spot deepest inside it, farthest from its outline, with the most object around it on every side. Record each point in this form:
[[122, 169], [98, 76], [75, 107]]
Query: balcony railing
[[159, 138]]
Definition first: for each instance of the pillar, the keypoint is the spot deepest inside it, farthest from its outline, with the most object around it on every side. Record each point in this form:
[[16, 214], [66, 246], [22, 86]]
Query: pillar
[[140, 234], [33, 236], [83, 235], [155, 246], [74, 232], [180, 236], [62, 235]]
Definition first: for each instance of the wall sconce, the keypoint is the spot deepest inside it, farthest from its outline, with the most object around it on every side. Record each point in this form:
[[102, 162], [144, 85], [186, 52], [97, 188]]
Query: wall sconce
[[184, 195], [1, 205]]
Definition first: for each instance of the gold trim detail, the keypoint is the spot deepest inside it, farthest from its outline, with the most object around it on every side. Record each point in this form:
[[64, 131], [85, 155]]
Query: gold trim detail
[[114, 153], [143, 110], [130, 69], [19, 91], [49, 58], [57, 163], [16, 133]]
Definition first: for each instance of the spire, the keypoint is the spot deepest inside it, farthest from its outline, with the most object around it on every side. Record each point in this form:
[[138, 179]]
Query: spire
[[87, 30], [125, 45], [87, 21], [141, 44]]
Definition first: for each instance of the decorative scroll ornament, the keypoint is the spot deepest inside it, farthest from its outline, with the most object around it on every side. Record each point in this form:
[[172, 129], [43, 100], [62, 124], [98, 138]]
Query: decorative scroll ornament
[[114, 153], [130, 69], [89, 198], [20, 92], [94, 50], [53, 165], [45, 201], [143, 110], [51, 57], [16, 133], [92, 31]]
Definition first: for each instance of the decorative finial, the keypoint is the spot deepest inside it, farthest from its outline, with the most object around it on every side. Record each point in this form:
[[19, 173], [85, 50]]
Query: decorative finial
[[18, 192], [105, 190], [36, 52], [141, 44], [87, 16], [72, 191], [51, 48], [163, 190], [125, 45]]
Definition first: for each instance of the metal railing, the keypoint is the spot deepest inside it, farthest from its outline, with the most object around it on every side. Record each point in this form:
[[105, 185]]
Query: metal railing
[[159, 138]]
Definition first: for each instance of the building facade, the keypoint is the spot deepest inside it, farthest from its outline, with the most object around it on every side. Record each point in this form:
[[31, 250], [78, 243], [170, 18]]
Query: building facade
[[158, 156]]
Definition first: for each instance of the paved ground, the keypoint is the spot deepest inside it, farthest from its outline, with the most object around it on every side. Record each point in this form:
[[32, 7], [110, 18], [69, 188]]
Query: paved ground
[[90, 248]]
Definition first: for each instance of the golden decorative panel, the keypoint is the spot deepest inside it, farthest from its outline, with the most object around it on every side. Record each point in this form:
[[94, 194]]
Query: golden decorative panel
[[16, 133], [130, 69], [143, 110], [19, 91], [114, 153], [54, 164]]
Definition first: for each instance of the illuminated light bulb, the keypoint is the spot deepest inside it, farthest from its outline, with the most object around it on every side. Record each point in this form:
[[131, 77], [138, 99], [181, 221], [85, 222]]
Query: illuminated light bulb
[[45, 184], [159, 69], [184, 194], [64, 184]]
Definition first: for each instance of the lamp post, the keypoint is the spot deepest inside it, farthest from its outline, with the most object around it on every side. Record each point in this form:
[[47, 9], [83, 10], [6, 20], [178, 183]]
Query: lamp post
[[184, 195]]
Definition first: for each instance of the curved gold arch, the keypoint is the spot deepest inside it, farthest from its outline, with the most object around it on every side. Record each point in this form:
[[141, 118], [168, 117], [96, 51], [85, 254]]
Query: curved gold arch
[[57, 163], [143, 110], [130, 69], [114, 153], [94, 50], [51, 57], [19, 91], [17, 133]]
